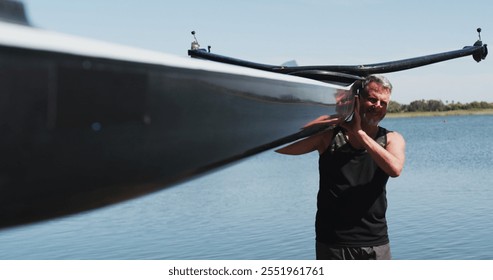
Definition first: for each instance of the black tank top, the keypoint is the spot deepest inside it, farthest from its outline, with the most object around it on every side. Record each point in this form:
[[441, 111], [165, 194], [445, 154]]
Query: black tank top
[[352, 199]]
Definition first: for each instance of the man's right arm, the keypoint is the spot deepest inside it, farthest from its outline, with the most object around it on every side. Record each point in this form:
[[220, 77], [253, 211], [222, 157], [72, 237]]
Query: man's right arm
[[318, 142]]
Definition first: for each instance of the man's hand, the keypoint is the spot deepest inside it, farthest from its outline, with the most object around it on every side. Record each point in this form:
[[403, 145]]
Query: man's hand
[[354, 125]]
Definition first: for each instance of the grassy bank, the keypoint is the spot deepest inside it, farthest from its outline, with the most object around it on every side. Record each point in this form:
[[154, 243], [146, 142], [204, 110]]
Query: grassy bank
[[443, 113]]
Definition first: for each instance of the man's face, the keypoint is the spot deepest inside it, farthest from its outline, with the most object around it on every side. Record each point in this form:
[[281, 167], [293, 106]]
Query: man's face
[[373, 108]]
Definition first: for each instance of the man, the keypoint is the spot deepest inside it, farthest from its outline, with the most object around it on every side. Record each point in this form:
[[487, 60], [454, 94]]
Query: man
[[356, 160]]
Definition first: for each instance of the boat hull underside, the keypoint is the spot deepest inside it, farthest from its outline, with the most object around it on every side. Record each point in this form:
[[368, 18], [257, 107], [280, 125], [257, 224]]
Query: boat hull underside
[[80, 133]]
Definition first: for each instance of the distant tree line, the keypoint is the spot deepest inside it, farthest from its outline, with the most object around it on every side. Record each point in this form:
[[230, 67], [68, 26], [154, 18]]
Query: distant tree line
[[435, 106]]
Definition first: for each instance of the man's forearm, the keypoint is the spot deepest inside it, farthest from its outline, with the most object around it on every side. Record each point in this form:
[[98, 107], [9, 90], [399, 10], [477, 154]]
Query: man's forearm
[[386, 160]]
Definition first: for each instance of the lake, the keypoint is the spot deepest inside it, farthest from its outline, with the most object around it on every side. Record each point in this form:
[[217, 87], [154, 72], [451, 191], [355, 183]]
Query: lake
[[264, 207]]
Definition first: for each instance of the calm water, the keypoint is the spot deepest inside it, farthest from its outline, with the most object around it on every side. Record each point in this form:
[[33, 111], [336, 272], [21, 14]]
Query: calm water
[[263, 207]]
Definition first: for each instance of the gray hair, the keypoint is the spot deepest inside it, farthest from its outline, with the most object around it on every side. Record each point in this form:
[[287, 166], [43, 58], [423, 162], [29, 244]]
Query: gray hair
[[379, 79]]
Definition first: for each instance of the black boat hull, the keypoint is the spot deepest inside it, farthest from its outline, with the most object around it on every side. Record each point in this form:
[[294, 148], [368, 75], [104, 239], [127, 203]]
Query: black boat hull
[[80, 132]]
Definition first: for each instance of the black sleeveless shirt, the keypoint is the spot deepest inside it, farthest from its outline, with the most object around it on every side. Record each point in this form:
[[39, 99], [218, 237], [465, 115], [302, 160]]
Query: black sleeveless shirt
[[352, 198]]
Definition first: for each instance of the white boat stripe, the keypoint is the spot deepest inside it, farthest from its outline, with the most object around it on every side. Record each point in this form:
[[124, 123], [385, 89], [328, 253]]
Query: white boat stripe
[[14, 35]]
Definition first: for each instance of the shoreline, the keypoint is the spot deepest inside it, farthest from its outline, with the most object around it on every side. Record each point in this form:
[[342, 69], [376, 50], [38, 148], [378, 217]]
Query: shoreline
[[440, 113]]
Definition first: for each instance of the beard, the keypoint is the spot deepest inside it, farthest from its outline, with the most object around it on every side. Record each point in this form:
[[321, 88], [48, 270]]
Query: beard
[[372, 119]]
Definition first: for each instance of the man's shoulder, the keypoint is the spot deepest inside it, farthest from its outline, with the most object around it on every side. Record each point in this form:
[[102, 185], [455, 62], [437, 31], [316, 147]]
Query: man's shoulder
[[324, 139], [394, 136], [388, 131]]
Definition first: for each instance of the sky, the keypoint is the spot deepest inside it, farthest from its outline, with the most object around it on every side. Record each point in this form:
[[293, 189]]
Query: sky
[[312, 32]]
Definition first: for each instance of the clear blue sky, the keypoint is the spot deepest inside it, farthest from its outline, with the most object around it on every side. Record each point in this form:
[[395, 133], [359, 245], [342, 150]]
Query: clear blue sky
[[308, 31]]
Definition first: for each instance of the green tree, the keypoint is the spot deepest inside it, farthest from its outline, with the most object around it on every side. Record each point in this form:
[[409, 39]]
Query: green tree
[[394, 107], [417, 106], [435, 105]]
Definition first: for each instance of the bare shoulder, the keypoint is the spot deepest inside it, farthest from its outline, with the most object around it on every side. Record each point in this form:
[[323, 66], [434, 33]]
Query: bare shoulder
[[395, 139], [395, 136], [325, 140]]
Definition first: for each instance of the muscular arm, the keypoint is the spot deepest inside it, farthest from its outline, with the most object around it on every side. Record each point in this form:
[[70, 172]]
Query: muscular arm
[[317, 142], [389, 159]]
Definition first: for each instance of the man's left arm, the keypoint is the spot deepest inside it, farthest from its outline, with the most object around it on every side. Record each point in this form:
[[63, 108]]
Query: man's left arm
[[391, 158]]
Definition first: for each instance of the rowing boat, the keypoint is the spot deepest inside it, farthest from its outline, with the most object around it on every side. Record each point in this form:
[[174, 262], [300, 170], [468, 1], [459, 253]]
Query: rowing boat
[[86, 123]]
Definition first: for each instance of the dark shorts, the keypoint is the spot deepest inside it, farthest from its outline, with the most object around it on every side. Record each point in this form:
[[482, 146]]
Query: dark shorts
[[326, 252]]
